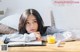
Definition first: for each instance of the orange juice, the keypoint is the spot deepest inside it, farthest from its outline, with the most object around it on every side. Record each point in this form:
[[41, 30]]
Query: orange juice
[[51, 39]]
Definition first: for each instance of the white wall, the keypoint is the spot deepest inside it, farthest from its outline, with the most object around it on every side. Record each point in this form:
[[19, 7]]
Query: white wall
[[67, 16], [18, 6]]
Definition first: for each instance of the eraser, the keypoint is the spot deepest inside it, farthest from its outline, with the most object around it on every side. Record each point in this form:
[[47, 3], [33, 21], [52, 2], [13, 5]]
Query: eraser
[[58, 43]]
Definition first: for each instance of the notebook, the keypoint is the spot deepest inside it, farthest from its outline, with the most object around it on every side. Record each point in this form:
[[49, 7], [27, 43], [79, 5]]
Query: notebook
[[33, 43]]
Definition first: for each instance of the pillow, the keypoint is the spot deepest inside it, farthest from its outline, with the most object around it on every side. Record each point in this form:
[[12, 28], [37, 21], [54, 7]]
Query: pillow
[[11, 21], [6, 30]]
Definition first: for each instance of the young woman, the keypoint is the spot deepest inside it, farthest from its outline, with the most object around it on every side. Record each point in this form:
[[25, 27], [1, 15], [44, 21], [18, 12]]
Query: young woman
[[31, 22], [31, 27]]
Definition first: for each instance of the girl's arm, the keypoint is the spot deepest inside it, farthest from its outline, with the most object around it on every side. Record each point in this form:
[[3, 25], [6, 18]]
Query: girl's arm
[[20, 38], [51, 30], [30, 37]]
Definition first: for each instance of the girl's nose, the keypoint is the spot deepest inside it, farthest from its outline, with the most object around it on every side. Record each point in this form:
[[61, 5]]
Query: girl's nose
[[32, 25]]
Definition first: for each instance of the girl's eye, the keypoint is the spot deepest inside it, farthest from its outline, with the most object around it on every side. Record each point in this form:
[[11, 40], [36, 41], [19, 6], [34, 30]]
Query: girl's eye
[[35, 21], [27, 23]]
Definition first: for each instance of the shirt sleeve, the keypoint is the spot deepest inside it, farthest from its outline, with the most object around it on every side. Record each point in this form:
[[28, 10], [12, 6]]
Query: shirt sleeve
[[20, 37], [30, 37], [50, 30]]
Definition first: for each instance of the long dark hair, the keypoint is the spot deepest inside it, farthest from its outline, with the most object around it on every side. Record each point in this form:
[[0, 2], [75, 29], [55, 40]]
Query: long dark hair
[[23, 18]]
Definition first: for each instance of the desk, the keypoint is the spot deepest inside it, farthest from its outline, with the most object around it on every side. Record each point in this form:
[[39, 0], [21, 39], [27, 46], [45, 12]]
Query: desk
[[73, 46]]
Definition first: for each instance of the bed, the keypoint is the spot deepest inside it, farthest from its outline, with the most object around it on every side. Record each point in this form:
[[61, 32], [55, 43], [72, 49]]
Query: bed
[[9, 24]]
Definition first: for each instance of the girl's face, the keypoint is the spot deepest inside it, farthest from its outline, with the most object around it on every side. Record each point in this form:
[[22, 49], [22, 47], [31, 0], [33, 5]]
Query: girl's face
[[31, 24]]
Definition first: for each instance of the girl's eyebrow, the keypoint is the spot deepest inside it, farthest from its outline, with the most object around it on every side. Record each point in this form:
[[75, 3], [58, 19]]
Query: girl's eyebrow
[[34, 18]]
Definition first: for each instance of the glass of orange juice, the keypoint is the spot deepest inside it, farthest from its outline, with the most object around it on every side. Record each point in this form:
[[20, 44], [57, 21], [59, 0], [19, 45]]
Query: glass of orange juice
[[51, 39]]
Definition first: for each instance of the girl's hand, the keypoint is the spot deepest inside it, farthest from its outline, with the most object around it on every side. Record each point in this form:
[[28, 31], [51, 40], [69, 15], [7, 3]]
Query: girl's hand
[[38, 36]]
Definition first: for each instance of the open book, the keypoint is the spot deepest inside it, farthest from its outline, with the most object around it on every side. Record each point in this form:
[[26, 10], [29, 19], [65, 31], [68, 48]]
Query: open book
[[33, 43]]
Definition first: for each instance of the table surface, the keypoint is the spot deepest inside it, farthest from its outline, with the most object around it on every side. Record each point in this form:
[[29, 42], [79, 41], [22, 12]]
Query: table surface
[[72, 46]]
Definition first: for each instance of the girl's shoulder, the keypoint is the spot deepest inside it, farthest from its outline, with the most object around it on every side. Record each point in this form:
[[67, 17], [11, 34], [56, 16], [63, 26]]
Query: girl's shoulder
[[50, 30]]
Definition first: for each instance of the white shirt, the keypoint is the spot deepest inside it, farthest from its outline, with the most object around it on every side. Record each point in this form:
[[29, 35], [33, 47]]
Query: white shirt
[[19, 37]]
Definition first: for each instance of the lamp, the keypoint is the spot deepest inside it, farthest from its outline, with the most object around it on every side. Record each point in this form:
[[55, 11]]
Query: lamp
[[52, 19]]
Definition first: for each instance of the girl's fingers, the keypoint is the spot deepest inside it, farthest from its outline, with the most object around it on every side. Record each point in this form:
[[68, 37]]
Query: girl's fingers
[[38, 36]]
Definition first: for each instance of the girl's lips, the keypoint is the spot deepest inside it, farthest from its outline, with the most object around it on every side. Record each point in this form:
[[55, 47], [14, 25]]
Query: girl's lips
[[32, 30]]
